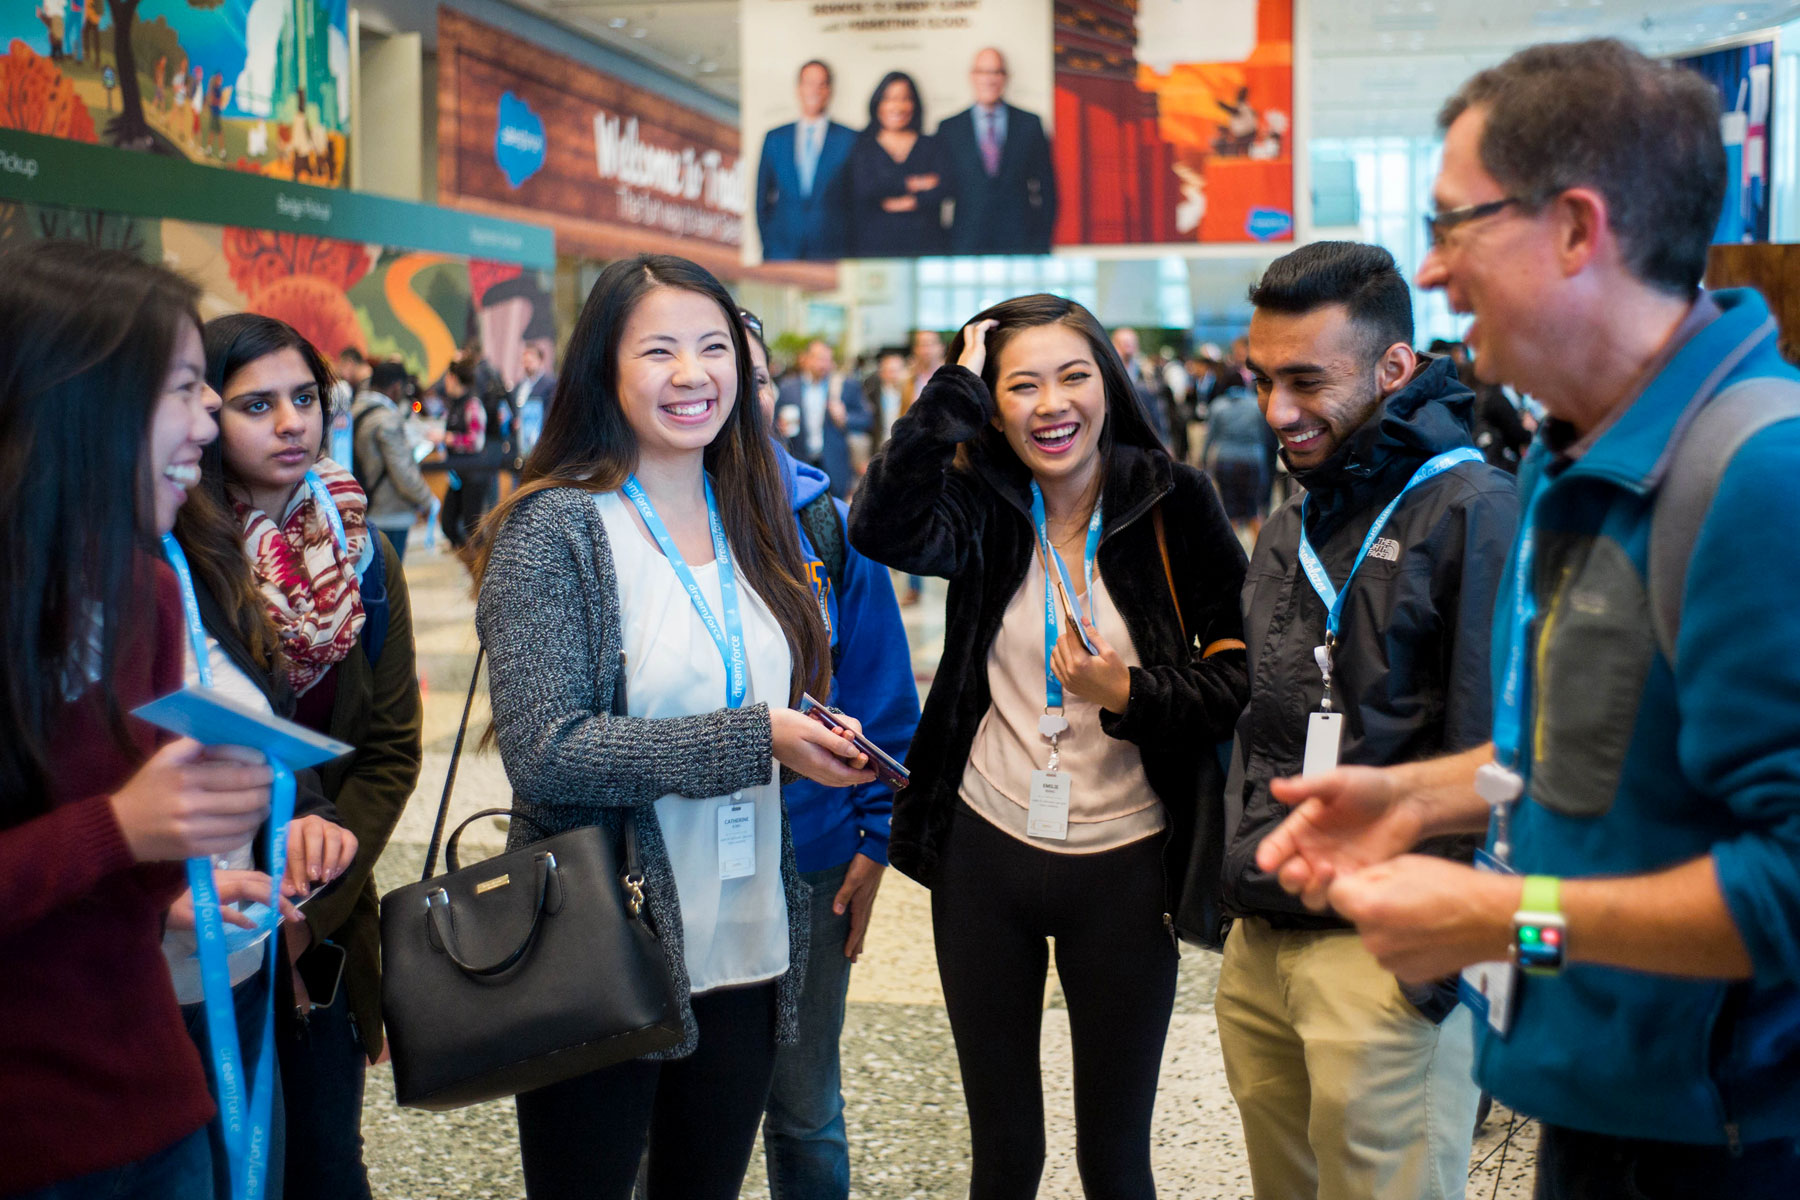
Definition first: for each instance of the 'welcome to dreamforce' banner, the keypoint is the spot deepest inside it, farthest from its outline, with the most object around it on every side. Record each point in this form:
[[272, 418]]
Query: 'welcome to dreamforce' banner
[[614, 169], [894, 128]]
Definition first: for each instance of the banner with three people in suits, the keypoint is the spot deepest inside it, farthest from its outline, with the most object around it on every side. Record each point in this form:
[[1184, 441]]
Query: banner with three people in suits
[[904, 128], [897, 128]]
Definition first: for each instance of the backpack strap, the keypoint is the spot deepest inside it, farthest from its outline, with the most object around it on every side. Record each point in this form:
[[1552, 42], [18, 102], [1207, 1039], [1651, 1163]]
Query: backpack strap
[[1697, 464], [376, 605], [819, 517]]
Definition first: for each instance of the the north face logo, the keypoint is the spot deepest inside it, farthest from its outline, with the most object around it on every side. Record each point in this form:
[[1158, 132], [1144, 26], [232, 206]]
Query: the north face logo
[[1386, 549]]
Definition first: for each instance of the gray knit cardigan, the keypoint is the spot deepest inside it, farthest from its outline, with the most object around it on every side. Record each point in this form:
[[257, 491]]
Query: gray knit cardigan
[[548, 616]]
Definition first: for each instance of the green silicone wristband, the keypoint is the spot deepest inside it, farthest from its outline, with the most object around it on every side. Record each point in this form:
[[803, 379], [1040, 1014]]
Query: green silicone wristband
[[1542, 894]]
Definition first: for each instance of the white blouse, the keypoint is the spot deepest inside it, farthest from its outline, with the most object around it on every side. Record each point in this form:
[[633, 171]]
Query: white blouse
[[735, 930], [179, 944]]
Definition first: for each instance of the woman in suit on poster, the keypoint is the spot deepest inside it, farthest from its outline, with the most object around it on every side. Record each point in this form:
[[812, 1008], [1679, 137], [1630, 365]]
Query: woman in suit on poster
[[897, 177]]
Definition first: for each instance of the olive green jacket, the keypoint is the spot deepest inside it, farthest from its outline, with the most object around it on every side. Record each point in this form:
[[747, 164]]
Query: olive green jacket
[[378, 711]]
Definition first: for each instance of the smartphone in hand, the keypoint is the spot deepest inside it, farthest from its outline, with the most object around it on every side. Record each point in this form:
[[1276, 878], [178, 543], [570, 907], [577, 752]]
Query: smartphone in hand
[[884, 765], [1072, 618]]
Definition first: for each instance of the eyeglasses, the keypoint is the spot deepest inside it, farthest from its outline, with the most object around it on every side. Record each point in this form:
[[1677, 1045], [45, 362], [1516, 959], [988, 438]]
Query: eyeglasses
[[1440, 223], [751, 321]]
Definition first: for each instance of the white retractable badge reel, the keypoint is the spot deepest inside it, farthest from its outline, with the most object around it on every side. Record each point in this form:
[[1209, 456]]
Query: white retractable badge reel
[[1324, 728]]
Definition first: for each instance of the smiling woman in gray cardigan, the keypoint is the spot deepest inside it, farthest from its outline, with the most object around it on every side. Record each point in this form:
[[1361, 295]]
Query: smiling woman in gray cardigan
[[549, 618], [654, 431]]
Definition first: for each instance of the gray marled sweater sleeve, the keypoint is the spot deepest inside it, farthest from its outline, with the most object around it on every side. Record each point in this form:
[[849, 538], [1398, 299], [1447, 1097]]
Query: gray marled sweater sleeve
[[548, 616]]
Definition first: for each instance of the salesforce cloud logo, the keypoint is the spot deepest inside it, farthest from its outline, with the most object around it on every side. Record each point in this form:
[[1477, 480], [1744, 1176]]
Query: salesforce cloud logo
[[519, 142]]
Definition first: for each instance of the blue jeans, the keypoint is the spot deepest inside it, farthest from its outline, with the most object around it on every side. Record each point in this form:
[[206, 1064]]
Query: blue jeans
[[322, 1071], [182, 1172], [803, 1133], [250, 1000]]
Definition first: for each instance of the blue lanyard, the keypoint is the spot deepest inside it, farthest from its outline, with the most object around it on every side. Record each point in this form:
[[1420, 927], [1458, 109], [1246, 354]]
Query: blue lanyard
[[244, 1115], [729, 637], [190, 605], [1053, 694], [322, 497], [1333, 596], [1509, 704]]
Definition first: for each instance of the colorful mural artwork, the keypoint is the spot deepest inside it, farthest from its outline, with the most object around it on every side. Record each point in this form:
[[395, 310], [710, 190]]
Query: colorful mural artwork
[[256, 85], [384, 301], [1174, 120]]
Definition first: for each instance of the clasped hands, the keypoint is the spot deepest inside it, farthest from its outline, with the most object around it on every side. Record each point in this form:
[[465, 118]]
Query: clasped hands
[[1346, 845]]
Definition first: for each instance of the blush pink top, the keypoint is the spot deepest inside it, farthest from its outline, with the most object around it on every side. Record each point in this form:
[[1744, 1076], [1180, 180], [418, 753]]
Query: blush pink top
[[1111, 803]]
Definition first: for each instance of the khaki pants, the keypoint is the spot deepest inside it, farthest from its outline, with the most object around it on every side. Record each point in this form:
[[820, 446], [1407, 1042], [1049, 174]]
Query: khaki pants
[[1346, 1093]]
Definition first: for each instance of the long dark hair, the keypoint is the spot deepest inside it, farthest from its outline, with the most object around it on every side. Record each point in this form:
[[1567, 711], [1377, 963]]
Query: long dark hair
[[89, 335], [917, 124], [206, 526], [1126, 421], [587, 443]]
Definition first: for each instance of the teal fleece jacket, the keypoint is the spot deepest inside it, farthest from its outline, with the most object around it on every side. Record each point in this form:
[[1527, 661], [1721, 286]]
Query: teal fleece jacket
[[1635, 766]]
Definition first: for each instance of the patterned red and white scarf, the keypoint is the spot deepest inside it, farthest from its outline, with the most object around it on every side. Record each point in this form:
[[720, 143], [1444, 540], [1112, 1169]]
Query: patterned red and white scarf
[[309, 584]]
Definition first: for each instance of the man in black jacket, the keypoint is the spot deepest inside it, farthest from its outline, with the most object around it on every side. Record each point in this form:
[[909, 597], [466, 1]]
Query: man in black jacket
[[1347, 1086]]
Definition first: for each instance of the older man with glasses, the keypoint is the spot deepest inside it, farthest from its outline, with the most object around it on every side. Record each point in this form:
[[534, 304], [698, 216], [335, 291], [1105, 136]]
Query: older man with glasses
[[1634, 942]]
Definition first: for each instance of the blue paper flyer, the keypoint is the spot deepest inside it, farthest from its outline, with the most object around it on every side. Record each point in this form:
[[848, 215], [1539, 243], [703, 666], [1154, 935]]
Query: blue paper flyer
[[216, 720]]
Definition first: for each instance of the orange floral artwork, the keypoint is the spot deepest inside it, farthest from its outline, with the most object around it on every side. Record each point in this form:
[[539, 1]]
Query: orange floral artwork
[[258, 258], [316, 308], [35, 97]]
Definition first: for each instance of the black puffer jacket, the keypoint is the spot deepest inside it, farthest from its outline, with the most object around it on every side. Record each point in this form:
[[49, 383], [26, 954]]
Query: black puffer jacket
[[921, 511], [1412, 675]]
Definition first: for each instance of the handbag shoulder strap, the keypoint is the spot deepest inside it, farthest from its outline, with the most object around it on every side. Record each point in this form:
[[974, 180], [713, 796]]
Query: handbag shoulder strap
[[443, 813], [633, 852], [1162, 548]]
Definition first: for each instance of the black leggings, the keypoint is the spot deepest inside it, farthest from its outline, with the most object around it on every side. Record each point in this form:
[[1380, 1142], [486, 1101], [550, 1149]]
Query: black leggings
[[996, 901], [585, 1137]]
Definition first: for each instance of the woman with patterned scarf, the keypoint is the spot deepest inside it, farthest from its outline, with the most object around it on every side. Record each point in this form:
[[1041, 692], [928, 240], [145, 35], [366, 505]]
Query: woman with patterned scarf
[[335, 592]]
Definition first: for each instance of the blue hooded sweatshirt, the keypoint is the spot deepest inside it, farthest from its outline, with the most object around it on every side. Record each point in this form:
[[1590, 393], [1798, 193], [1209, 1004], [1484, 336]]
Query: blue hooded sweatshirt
[[1635, 765], [873, 683]]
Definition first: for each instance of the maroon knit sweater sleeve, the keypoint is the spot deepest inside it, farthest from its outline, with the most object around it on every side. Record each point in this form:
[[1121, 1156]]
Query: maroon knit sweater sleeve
[[99, 1070]]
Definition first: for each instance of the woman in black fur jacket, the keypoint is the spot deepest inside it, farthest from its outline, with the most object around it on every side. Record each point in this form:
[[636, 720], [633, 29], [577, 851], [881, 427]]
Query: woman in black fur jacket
[[1092, 661]]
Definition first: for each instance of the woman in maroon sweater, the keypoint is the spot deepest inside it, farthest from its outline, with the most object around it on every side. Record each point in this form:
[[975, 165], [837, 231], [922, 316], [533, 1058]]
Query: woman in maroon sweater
[[102, 420]]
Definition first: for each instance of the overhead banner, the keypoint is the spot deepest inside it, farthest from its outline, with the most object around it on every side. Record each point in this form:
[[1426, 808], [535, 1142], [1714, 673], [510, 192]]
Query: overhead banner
[[613, 168], [1743, 73], [1175, 121], [259, 86], [896, 128]]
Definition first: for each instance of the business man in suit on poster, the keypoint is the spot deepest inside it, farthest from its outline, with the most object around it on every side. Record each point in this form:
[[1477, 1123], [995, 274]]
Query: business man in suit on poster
[[802, 202], [1000, 170]]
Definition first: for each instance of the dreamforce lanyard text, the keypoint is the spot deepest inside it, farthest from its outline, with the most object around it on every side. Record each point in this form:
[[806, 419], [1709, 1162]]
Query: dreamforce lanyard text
[[729, 636], [1333, 596], [245, 1118], [1054, 723]]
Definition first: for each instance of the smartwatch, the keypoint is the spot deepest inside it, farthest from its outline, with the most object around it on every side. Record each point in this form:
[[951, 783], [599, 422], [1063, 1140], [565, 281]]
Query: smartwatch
[[1539, 932]]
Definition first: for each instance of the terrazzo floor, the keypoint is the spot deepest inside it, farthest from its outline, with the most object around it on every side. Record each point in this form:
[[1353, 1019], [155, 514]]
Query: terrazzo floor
[[907, 1123]]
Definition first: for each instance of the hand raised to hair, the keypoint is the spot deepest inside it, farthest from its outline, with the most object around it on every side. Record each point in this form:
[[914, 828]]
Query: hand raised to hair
[[974, 351]]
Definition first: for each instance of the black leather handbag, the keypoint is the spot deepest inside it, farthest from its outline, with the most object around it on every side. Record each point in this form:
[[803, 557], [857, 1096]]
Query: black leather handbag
[[523, 970]]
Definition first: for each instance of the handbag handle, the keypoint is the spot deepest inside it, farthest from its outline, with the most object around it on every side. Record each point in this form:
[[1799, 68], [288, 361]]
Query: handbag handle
[[443, 921], [451, 862]]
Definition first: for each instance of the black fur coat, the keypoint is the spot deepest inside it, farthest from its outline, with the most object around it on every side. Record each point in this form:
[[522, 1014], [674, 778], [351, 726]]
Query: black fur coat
[[920, 510]]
